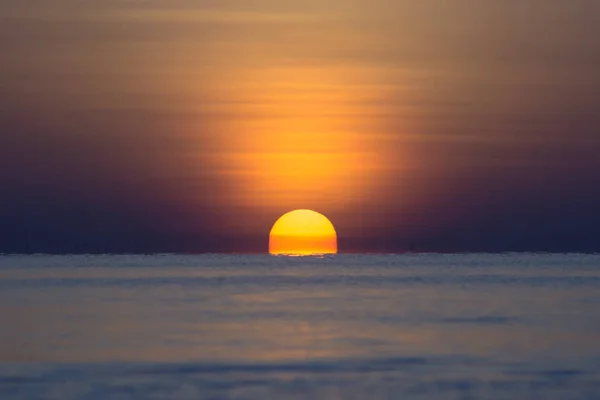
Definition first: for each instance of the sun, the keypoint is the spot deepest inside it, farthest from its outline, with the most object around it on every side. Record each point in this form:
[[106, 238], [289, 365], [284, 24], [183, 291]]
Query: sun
[[303, 232]]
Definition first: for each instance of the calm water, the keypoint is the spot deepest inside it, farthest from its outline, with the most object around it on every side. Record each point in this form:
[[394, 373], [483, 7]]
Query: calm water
[[516, 326]]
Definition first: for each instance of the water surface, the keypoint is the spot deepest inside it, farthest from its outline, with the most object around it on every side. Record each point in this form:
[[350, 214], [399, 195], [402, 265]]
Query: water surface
[[510, 326]]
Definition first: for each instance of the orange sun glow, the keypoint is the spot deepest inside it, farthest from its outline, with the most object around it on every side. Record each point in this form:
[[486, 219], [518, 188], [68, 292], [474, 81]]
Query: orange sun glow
[[303, 232]]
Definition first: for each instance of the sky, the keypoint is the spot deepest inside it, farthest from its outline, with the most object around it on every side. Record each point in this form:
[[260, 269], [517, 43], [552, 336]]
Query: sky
[[191, 126]]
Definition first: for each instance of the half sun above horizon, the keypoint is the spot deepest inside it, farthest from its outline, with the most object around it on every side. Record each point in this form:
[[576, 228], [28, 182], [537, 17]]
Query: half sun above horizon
[[303, 232]]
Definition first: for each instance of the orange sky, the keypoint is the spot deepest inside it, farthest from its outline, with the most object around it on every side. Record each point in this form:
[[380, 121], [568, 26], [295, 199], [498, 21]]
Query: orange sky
[[214, 118]]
